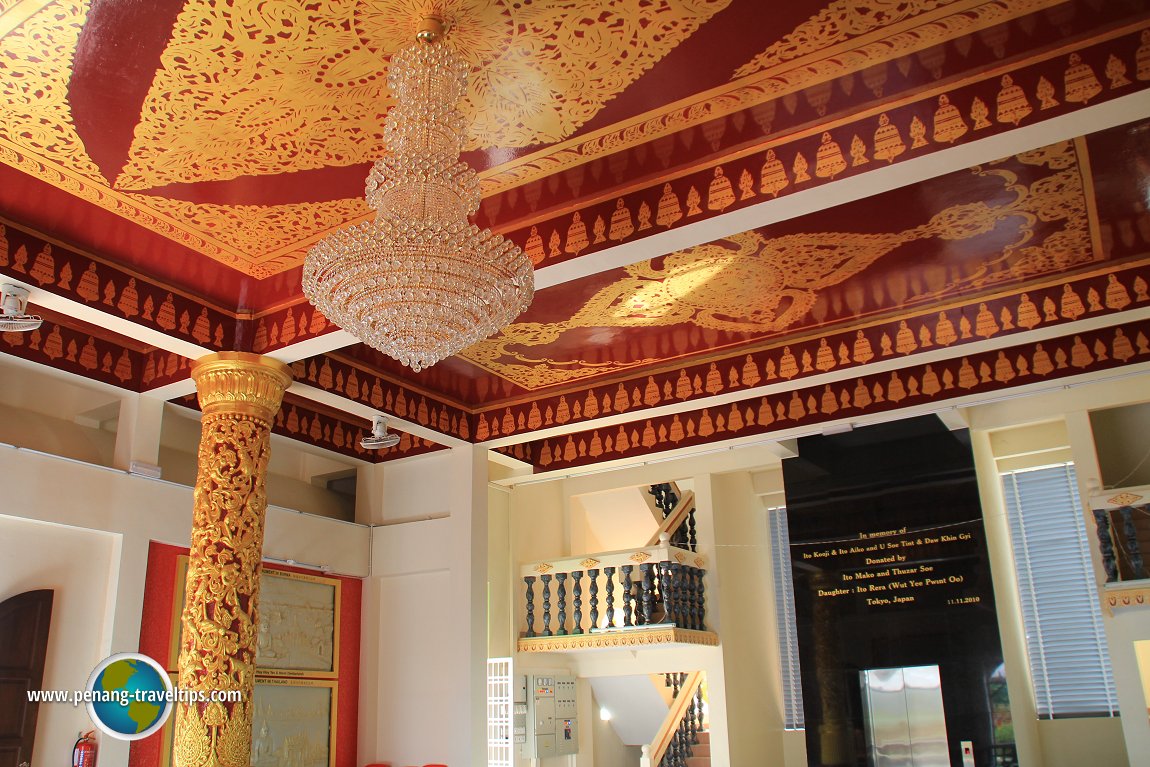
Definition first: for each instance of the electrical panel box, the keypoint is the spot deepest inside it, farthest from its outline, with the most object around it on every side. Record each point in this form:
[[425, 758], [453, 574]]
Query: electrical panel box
[[566, 713], [519, 712], [551, 717]]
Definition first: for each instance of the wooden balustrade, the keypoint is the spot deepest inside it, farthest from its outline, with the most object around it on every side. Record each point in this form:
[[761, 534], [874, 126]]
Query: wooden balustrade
[[680, 730], [678, 516], [1122, 522], [653, 586]]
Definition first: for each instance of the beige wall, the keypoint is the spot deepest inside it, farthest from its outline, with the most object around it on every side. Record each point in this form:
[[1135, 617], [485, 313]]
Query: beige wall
[[608, 750], [1078, 742], [65, 508], [77, 566], [1142, 654]]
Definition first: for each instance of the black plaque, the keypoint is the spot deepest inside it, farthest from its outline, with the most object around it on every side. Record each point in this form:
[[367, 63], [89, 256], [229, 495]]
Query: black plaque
[[890, 569]]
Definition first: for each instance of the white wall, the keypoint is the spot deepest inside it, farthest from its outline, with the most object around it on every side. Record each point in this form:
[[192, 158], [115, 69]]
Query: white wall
[[127, 512], [425, 631], [77, 565]]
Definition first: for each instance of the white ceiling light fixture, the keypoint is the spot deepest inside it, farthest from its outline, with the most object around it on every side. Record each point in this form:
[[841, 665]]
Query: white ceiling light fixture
[[13, 302], [420, 282], [380, 438]]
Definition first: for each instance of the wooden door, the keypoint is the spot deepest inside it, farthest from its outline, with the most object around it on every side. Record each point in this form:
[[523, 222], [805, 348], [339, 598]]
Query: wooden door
[[24, 621]]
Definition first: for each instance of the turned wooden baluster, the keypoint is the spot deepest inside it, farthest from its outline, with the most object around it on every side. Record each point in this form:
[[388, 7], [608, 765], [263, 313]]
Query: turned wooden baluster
[[593, 574], [701, 601], [1106, 544], [625, 582], [577, 577], [546, 579], [561, 596], [694, 587], [648, 592], [529, 580], [1132, 548], [610, 586], [699, 710], [691, 729], [672, 599]]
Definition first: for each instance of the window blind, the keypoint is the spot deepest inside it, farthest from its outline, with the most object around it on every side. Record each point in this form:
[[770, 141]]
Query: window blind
[[785, 620], [1069, 658]]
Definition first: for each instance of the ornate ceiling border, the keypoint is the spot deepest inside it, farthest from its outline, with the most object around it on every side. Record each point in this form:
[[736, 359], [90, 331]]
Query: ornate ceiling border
[[943, 325], [996, 370], [989, 103], [64, 344], [344, 379], [309, 422], [925, 28]]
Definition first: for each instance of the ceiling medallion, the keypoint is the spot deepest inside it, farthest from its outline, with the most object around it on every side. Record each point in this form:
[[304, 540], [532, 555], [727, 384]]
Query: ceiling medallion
[[420, 283]]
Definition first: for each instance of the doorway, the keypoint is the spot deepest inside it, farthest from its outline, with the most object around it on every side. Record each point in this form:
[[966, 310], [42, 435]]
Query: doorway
[[903, 717]]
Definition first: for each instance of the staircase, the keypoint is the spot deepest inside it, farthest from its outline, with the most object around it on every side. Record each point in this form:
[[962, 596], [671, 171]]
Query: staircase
[[701, 751]]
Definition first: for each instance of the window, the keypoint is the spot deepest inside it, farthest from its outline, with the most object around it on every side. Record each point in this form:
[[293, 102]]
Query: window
[[1065, 642], [499, 712], [785, 619]]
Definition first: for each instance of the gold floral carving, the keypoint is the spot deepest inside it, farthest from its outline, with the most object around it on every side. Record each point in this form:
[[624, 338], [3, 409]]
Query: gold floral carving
[[752, 284], [640, 557], [37, 136], [34, 74], [787, 77], [1124, 499], [274, 237], [845, 20], [543, 568], [589, 563], [239, 395], [266, 88]]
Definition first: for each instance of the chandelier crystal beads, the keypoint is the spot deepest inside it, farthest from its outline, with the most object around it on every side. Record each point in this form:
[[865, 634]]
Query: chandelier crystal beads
[[420, 282]]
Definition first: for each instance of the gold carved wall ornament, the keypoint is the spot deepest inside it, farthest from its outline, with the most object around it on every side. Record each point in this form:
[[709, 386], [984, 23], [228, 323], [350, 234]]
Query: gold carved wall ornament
[[251, 88], [239, 396], [752, 284]]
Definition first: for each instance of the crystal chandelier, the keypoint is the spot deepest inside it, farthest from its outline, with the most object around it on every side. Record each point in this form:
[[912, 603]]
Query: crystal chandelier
[[419, 282]]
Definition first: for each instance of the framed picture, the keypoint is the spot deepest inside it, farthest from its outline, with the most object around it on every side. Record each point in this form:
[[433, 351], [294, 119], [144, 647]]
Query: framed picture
[[293, 723], [299, 623]]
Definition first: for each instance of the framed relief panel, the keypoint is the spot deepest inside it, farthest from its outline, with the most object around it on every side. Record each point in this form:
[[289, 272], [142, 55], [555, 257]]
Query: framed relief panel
[[298, 628], [293, 723]]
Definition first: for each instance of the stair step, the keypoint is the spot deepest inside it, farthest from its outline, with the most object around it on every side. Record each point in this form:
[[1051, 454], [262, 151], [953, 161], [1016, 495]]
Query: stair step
[[704, 737], [698, 761], [702, 749]]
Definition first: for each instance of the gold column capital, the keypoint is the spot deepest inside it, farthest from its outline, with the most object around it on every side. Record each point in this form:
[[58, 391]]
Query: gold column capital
[[240, 382]]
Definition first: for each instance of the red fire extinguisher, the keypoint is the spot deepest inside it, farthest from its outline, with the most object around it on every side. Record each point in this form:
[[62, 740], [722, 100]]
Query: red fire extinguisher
[[84, 752]]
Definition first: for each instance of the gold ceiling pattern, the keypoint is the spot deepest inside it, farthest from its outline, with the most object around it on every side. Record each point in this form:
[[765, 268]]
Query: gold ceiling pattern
[[758, 285], [261, 88], [274, 237], [816, 53], [838, 22], [35, 67]]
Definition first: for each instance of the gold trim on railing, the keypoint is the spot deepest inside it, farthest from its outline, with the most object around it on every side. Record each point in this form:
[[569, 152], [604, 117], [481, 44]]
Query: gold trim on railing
[[664, 552], [654, 635], [1119, 597]]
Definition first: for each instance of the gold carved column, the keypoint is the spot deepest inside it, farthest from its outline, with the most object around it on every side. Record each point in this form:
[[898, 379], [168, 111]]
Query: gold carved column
[[239, 395]]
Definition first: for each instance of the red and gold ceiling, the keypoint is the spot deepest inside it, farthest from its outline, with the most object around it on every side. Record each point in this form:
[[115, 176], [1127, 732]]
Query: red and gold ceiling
[[168, 164]]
